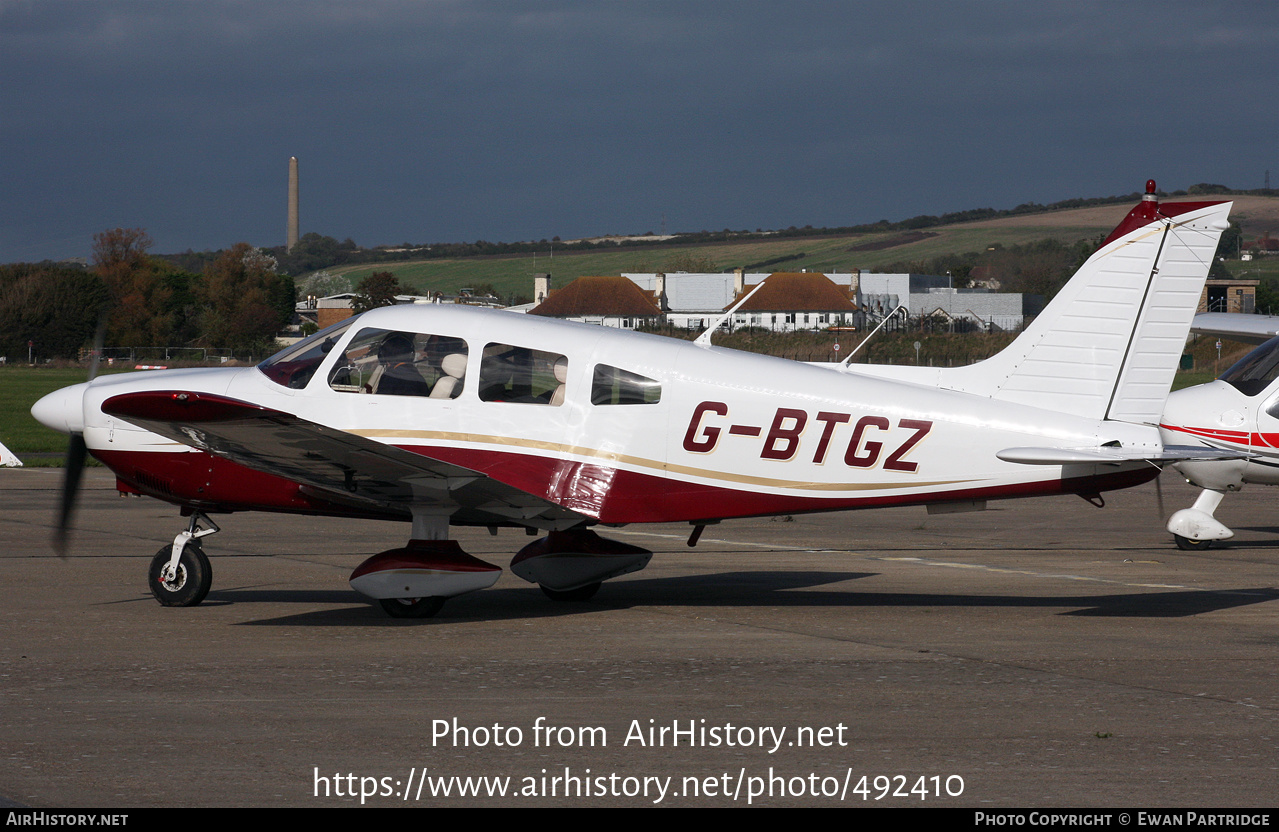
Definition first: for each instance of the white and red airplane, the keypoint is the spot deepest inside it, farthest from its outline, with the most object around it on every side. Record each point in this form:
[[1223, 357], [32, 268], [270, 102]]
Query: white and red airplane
[[1237, 412], [447, 415]]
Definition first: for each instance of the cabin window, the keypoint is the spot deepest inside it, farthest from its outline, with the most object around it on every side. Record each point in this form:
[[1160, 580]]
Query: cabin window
[[1254, 372], [522, 375], [294, 366], [395, 363], [612, 385]]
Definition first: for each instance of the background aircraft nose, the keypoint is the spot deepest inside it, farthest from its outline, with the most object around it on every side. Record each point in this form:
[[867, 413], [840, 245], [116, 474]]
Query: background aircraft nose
[[62, 410]]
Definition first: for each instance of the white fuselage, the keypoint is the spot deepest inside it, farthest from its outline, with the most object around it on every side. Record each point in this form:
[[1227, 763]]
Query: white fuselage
[[730, 434]]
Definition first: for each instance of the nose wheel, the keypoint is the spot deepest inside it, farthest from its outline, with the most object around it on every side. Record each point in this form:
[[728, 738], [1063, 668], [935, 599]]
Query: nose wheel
[[180, 575], [1194, 529], [186, 584]]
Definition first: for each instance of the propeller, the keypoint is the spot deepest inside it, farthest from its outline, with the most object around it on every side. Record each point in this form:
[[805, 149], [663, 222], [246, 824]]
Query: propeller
[[77, 456]]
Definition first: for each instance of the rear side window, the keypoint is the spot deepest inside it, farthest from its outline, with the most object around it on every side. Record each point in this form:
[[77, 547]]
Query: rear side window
[[522, 375], [613, 385]]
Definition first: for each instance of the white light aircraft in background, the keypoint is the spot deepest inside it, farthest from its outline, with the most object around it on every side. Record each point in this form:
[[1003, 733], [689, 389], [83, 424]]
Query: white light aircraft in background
[[448, 415], [1237, 412]]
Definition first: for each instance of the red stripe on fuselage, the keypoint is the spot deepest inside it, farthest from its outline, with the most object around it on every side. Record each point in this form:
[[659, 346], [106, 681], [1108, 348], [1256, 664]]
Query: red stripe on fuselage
[[643, 498], [610, 495], [1243, 438]]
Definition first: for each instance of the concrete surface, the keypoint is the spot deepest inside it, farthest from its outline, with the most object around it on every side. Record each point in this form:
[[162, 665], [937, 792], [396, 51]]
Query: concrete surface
[[1047, 652]]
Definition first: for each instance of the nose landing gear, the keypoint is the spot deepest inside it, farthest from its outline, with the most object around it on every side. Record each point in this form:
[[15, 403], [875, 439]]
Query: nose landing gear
[[1195, 528], [180, 574]]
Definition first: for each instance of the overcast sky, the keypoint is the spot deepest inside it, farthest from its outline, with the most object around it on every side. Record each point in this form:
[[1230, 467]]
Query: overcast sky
[[445, 121]]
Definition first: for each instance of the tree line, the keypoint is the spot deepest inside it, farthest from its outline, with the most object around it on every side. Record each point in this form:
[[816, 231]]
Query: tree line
[[238, 301]]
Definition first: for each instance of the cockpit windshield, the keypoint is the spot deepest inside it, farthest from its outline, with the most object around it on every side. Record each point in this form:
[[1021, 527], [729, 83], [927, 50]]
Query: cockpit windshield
[[293, 366], [1254, 372]]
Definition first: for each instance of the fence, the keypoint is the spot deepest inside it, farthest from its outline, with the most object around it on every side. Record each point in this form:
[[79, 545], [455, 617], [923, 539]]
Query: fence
[[186, 355]]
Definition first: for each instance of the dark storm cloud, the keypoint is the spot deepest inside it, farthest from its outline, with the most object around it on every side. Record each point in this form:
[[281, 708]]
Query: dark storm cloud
[[444, 121]]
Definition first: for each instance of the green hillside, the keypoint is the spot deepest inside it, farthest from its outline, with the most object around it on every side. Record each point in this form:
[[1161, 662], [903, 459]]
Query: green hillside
[[513, 275]]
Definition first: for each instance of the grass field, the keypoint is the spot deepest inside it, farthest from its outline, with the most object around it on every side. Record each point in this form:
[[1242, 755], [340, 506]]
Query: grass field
[[23, 386]]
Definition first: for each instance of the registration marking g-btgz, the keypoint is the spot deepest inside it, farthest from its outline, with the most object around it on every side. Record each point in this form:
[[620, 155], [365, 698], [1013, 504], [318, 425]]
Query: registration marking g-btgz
[[782, 438]]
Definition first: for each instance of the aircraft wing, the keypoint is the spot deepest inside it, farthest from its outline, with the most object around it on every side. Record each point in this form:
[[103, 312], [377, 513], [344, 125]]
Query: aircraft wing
[[8, 459], [1247, 329], [342, 467], [1106, 455]]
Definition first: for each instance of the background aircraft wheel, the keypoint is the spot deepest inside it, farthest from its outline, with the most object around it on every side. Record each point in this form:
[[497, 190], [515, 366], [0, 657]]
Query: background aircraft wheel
[[189, 585], [1191, 545], [412, 607], [582, 593]]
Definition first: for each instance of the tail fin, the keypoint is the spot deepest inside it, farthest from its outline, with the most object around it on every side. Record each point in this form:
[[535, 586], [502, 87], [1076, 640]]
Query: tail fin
[[1108, 344]]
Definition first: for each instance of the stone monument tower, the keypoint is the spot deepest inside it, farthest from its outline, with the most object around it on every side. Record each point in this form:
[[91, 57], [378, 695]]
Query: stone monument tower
[[292, 232]]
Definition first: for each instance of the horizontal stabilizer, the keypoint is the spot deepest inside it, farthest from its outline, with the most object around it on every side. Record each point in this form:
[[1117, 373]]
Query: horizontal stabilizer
[[1247, 329], [1114, 456]]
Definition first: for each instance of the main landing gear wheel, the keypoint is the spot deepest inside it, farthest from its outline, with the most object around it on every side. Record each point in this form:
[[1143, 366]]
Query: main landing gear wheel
[[412, 607], [1191, 545], [191, 582], [582, 593]]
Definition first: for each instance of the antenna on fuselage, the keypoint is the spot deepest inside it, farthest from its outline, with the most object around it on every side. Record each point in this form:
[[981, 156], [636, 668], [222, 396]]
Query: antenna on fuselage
[[704, 340], [887, 318]]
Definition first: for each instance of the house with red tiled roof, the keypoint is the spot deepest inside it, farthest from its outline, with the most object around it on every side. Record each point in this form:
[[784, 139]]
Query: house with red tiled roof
[[608, 301], [814, 300], [787, 301]]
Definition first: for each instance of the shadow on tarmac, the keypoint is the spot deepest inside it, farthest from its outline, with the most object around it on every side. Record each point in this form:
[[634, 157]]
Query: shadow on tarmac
[[728, 590]]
